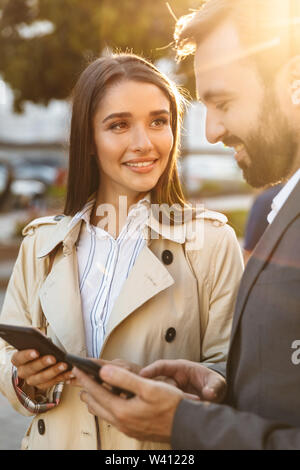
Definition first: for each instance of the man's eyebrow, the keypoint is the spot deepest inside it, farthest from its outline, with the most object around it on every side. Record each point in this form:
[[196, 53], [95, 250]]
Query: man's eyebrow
[[127, 115], [214, 94]]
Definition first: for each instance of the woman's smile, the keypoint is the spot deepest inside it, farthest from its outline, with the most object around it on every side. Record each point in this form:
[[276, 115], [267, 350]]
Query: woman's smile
[[141, 165]]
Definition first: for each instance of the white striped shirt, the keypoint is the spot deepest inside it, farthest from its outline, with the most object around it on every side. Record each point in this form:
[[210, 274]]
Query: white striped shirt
[[104, 263]]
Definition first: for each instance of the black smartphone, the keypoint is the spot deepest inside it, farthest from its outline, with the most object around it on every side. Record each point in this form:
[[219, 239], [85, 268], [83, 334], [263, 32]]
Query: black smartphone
[[22, 337], [92, 368]]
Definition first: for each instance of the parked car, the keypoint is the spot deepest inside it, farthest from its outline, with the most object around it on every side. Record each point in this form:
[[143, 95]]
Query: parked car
[[45, 170], [30, 178]]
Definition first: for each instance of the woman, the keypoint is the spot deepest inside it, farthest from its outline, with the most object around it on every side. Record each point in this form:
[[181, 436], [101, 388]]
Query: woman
[[111, 278]]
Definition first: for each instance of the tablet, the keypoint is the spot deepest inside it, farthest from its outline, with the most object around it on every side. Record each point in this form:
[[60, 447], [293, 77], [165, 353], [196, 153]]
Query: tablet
[[22, 337], [92, 368]]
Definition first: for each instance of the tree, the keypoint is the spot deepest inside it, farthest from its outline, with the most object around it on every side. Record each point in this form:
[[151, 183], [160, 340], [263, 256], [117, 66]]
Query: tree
[[42, 67]]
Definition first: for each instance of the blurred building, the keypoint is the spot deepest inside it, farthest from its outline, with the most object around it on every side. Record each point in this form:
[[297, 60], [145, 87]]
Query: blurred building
[[38, 131]]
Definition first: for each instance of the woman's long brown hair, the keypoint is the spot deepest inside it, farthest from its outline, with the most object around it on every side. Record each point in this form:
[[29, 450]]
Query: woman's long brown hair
[[83, 175]]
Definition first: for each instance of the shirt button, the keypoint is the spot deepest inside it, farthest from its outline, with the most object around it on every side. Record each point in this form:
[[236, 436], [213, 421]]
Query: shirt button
[[167, 257], [170, 335], [41, 426]]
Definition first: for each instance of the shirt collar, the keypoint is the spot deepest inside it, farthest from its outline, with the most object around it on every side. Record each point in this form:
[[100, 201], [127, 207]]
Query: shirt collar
[[68, 229], [85, 213], [281, 198]]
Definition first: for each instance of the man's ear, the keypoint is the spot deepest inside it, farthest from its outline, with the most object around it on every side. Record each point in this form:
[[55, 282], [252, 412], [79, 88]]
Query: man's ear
[[294, 80]]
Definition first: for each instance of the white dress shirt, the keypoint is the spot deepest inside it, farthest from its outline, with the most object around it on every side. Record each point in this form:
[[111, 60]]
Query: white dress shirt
[[104, 264], [281, 198]]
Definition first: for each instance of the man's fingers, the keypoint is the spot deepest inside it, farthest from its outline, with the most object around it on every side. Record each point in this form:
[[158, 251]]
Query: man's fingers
[[95, 408], [122, 378], [214, 389], [161, 367], [190, 396], [101, 401]]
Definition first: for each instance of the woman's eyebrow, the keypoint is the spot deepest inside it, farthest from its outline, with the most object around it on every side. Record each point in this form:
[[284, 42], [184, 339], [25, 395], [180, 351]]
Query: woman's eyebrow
[[127, 115], [116, 115], [159, 111]]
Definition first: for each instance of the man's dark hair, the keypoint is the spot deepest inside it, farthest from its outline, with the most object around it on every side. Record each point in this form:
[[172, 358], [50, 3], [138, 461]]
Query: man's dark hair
[[269, 28]]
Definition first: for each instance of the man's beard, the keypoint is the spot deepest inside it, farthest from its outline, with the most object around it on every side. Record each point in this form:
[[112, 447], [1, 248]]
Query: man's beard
[[272, 148]]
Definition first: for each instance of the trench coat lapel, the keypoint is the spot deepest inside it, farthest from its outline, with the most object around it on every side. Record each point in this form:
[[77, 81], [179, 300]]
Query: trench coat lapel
[[263, 251], [147, 278], [59, 294]]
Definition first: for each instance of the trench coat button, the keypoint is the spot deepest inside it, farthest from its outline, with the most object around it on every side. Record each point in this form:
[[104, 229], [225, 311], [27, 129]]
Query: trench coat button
[[41, 426], [170, 335], [57, 218], [167, 257]]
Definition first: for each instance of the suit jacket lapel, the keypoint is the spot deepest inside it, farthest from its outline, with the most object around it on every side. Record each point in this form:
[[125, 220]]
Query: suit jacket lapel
[[147, 278], [264, 249]]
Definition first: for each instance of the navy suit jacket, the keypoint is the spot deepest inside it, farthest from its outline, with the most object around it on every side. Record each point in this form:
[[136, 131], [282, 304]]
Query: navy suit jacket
[[262, 409]]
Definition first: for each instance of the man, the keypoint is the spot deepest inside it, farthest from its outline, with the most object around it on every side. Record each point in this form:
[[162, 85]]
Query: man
[[247, 65]]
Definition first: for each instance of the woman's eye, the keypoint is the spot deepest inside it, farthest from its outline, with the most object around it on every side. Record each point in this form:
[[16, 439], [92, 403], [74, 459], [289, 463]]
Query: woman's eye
[[119, 125], [159, 122]]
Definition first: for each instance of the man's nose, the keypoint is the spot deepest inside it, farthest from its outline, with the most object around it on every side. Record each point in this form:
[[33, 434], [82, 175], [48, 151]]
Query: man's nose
[[214, 129], [141, 141]]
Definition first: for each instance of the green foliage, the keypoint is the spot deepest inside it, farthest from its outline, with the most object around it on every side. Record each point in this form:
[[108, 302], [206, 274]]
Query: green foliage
[[41, 68], [237, 219]]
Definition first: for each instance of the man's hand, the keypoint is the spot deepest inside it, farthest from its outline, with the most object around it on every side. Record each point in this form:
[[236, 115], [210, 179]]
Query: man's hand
[[190, 377], [130, 366], [147, 416]]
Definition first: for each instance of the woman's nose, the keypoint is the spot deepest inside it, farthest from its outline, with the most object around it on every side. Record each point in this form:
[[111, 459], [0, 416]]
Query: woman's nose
[[141, 141]]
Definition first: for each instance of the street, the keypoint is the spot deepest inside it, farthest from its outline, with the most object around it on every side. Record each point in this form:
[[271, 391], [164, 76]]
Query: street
[[12, 424]]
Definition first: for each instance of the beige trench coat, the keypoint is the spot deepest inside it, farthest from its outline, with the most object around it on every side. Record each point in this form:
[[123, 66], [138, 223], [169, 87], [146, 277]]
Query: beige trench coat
[[195, 295]]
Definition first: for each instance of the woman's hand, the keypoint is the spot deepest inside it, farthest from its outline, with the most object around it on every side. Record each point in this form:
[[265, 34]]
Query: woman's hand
[[39, 372]]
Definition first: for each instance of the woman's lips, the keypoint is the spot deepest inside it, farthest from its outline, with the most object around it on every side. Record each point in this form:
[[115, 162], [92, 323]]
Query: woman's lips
[[141, 167]]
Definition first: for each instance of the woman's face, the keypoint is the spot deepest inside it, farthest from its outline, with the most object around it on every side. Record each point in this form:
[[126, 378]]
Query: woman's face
[[133, 137]]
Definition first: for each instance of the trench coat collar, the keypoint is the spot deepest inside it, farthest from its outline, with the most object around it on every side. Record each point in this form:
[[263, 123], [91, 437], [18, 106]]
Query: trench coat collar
[[68, 236], [68, 229]]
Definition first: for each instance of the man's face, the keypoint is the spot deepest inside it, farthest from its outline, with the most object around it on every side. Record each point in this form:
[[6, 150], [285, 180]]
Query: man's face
[[241, 112]]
